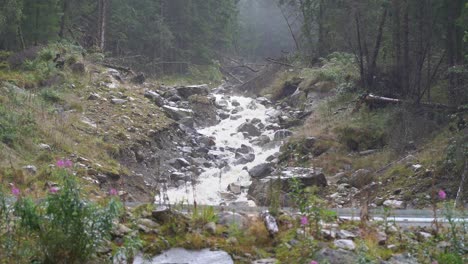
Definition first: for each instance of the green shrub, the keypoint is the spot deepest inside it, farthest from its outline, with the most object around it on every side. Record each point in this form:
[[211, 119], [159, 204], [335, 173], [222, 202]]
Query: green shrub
[[51, 96], [64, 228]]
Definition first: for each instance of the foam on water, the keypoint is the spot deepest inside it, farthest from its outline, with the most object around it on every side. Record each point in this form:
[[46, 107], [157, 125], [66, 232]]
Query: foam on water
[[214, 181]]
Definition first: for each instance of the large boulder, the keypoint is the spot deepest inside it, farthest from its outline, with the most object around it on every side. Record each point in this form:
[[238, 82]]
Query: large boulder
[[177, 113], [187, 91], [231, 218], [261, 170], [261, 190], [156, 98], [361, 178], [282, 134], [204, 109], [250, 129]]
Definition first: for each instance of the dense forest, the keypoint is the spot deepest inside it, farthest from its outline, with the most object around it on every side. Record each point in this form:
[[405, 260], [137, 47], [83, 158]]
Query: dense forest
[[403, 47]]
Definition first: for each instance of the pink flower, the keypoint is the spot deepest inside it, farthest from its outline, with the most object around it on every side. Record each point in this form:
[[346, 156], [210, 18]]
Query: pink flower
[[15, 191], [304, 221], [442, 195], [53, 189], [113, 192], [64, 163], [314, 262]]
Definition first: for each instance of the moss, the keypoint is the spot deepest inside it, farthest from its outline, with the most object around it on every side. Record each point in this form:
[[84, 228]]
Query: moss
[[362, 138]]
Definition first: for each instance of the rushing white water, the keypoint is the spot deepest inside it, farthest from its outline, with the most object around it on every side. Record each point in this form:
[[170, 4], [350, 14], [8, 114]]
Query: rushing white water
[[214, 181]]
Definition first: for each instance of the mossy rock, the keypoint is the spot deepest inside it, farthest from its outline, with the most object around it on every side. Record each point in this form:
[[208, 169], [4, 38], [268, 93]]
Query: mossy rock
[[362, 138]]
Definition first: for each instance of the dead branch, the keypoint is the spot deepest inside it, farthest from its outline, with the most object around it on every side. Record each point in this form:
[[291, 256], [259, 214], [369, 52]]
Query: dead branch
[[279, 62]]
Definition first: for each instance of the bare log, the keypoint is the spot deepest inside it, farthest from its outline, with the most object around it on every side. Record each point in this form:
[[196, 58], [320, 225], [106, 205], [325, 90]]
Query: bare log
[[375, 100], [279, 62], [224, 71]]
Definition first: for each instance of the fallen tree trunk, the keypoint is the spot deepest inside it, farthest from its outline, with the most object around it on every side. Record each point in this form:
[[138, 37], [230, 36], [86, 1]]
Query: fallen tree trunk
[[226, 72], [373, 100]]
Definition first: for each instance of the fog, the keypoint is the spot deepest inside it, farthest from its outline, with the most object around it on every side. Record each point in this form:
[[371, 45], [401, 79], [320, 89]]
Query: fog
[[263, 30]]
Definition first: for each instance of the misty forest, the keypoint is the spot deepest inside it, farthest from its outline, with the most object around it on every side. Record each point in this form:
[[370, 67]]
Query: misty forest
[[234, 131]]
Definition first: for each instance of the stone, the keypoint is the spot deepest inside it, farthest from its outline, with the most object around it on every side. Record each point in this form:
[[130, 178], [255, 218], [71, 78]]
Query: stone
[[328, 233], [332, 256], [270, 223], [250, 129], [345, 244], [231, 218], [30, 169], [232, 241], [177, 113], [155, 97], [210, 228], [266, 261], [244, 158], [234, 188], [118, 101], [282, 134], [261, 170], [187, 91], [179, 163], [121, 230], [139, 79], [94, 96], [235, 103], [344, 234], [395, 204], [44, 147], [261, 140], [147, 222], [164, 214], [361, 178], [424, 236], [381, 238], [263, 101]]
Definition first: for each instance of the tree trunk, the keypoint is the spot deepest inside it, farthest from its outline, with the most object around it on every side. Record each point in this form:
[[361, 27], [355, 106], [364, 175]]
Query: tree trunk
[[102, 22], [63, 19], [462, 183], [406, 47], [397, 43], [375, 55], [321, 30]]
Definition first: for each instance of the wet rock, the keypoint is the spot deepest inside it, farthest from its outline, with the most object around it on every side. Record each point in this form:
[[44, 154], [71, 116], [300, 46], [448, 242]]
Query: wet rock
[[235, 188], [263, 101], [204, 109], [244, 158], [282, 134], [117, 101], [361, 178], [333, 256], [230, 218], [156, 98], [187, 91], [395, 204], [177, 113], [261, 140], [328, 233], [423, 236], [345, 244], [235, 103], [224, 115], [179, 163], [244, 149], [270, 223], [250, 129], [261, 170]]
